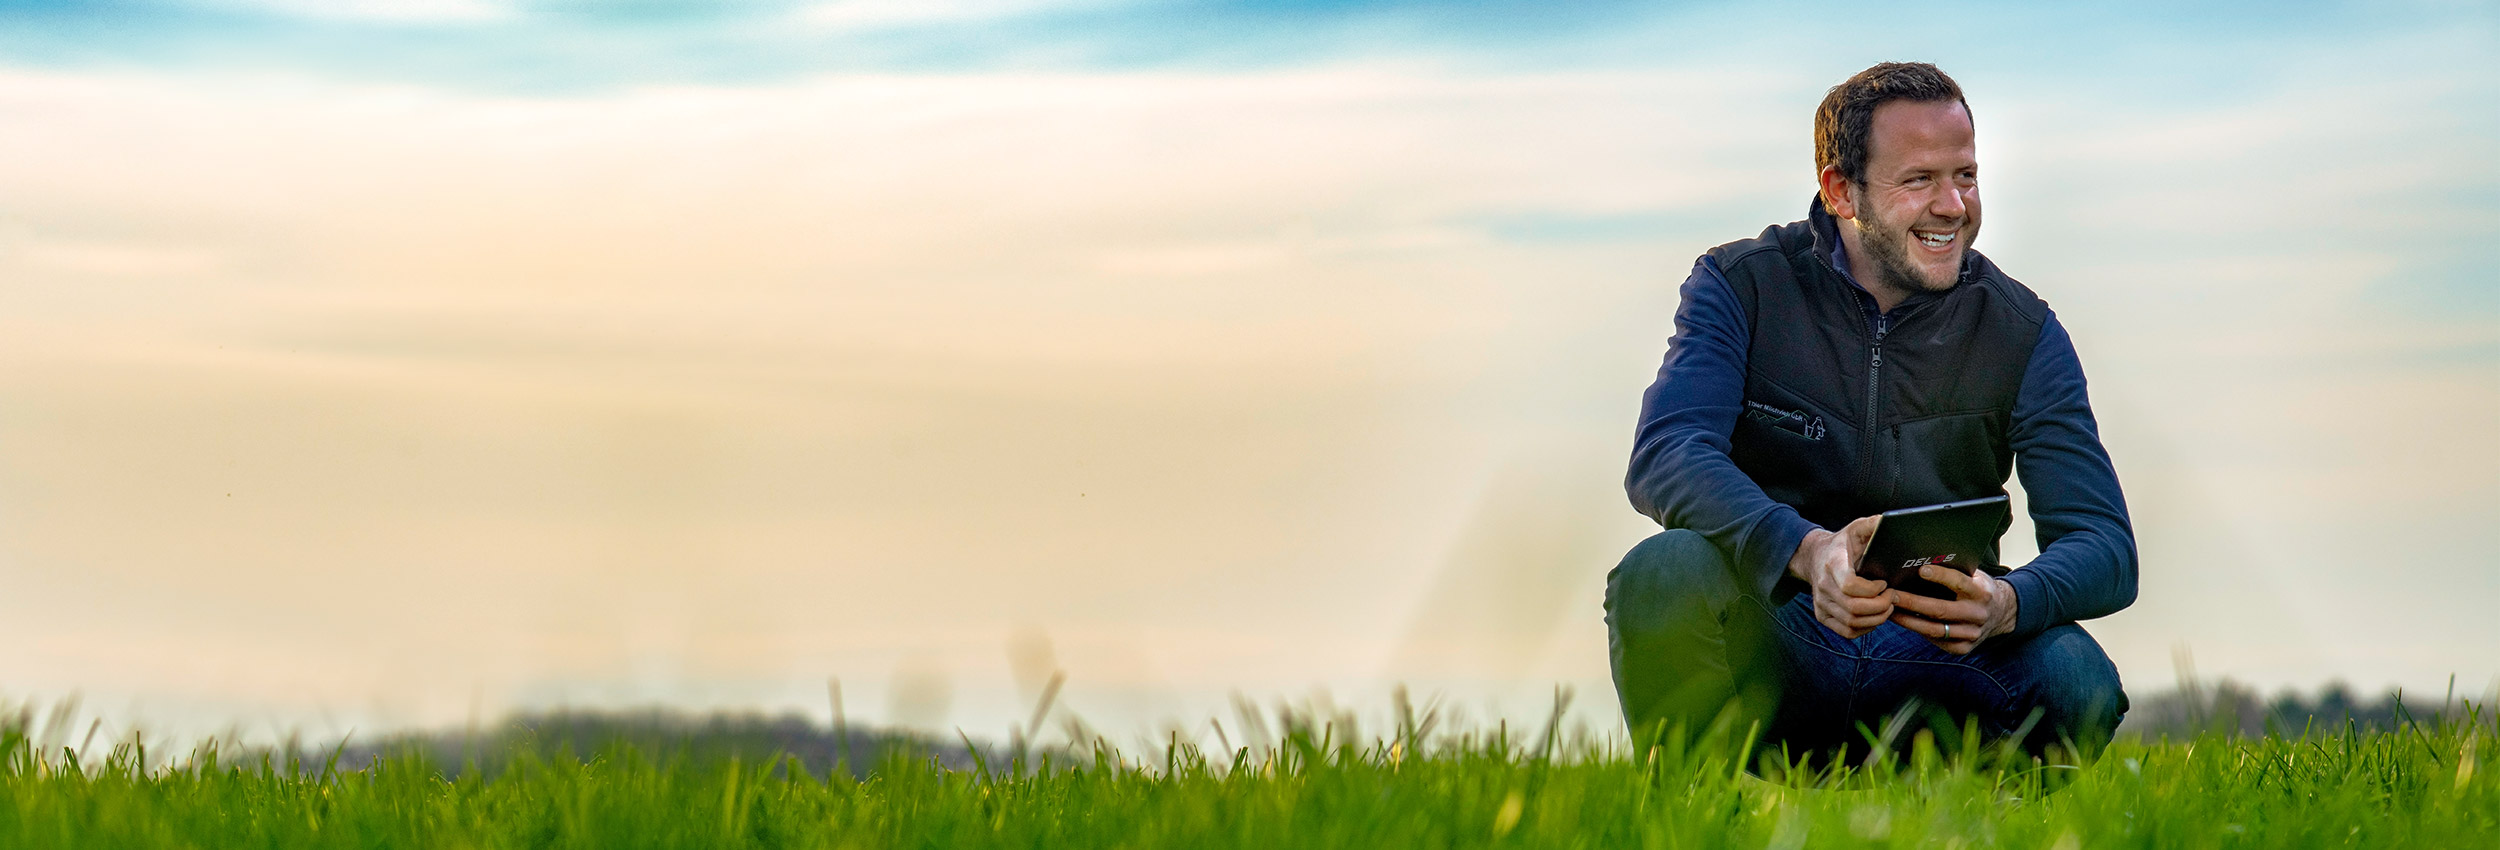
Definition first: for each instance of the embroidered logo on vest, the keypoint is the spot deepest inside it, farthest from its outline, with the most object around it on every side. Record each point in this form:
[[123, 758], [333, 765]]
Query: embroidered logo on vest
[[1792, 421]]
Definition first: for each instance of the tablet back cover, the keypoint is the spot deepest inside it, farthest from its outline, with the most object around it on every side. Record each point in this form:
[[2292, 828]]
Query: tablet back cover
[[1960, 535]]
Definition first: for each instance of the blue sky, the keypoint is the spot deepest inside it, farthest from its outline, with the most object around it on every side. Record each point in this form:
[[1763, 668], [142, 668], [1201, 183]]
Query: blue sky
[[2193, 49]]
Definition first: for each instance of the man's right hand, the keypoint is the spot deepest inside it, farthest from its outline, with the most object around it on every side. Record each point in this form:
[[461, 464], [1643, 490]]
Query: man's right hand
[[1844, 602]]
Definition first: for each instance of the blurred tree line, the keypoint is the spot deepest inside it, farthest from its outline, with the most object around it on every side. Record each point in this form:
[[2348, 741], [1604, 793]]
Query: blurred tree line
[[660, 735], [2233, 708]]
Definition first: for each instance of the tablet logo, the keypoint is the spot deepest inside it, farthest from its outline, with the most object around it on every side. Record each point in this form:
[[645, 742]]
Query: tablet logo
[[1915, 563]]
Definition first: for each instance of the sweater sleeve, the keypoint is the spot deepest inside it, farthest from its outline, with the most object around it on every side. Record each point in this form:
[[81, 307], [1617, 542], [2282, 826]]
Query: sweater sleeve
[[2087, 563], [1681, 474]]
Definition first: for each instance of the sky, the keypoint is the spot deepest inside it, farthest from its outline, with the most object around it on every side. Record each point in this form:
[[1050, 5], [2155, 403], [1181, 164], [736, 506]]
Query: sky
[[397, 363]]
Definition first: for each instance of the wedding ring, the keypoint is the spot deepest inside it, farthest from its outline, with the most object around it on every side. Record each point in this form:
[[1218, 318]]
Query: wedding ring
[[1948, 631]]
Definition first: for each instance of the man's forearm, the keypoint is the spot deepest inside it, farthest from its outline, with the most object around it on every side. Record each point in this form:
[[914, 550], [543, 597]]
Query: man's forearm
[[2087, 563]]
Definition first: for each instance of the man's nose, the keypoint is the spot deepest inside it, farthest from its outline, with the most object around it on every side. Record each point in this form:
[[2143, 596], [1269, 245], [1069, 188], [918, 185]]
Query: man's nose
[[1948, 203]]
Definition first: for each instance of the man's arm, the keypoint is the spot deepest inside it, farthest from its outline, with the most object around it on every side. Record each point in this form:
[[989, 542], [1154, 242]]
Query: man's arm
[[1681, 475], [2087, 563]]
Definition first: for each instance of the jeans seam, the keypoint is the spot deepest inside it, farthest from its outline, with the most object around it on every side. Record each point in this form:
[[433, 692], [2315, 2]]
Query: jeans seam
[[2002, 690], [1775, 622]]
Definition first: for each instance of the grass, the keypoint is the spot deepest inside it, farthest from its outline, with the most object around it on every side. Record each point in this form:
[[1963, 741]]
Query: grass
[[2426, 784]]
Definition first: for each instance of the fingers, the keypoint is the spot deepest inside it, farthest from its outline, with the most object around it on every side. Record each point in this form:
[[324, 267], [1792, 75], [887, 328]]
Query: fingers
[[1856, 585], [1865, 606], [1860, 532], [1946, 629], [1845, 602], [1961, 583], [1925, 627], [1848, 629], [1933, 608], [1847, 624], [1953, 625], [1955, 638], [1850, 617]]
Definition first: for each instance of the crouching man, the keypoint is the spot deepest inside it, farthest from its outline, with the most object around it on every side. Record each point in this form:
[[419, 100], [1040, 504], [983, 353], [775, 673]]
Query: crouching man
[[1861, 360]]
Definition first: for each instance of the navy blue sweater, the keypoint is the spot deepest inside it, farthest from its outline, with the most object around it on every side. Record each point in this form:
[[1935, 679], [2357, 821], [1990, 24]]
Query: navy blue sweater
[[1682, 476]]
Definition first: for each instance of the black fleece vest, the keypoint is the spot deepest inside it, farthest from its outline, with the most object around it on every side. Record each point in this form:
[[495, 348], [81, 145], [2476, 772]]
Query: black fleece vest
[[1839, 423]]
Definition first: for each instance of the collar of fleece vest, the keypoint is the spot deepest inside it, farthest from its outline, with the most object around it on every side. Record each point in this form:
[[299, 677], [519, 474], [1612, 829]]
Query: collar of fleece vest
[[1835, 255]]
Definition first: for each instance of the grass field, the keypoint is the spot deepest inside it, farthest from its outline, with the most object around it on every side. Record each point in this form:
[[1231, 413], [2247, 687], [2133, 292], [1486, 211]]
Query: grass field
[[2427, 784]]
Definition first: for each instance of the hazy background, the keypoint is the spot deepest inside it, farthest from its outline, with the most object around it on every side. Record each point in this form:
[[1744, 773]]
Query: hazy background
[[400, 362]]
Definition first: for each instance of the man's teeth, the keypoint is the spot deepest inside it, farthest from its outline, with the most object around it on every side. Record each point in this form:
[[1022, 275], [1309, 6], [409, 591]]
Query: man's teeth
[[1936, 240]]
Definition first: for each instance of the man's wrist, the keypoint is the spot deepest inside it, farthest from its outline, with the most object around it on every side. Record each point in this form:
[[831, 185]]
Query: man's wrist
[[1801, 562], [2005, 607]]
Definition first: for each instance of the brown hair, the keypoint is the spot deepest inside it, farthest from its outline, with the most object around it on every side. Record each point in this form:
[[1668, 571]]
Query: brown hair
[[1847, 116]]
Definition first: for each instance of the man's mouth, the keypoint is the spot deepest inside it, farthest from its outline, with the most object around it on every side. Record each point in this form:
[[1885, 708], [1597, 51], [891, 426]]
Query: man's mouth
[[1935, 240]]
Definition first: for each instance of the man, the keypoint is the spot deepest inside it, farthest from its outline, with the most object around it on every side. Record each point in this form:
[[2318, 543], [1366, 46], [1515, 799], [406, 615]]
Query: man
[[1862, 360]]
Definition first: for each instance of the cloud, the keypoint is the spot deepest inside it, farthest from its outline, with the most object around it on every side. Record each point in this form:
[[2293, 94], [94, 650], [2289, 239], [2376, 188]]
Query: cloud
[[852, 15], [381, 11], [544, 46], [109, 259]]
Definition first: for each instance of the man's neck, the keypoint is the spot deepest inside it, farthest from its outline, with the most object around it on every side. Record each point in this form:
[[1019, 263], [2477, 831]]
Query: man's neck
[[1863, 269]]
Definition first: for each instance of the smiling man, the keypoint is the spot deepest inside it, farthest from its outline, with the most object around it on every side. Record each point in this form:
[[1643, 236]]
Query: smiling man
[[1862, 360]]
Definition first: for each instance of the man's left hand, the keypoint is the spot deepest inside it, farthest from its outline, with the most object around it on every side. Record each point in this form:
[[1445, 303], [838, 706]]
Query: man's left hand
[[1983, 607]]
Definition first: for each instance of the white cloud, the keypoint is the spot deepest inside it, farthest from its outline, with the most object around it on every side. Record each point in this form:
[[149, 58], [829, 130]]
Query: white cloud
[[874, 14], [397, 11], [119, 259]]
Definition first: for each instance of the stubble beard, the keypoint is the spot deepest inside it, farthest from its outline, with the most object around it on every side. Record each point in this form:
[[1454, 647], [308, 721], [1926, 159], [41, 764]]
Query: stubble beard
[[1889, 248]]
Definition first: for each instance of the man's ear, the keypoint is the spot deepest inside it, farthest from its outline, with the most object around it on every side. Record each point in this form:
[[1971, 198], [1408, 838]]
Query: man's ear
[[1835, 189]]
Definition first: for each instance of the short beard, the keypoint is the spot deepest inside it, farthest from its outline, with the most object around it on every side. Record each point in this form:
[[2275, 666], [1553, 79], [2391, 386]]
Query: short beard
[[1890, 251]]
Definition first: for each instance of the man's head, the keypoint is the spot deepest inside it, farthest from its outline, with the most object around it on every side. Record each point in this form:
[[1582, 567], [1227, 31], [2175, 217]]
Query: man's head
[[1898, 165]]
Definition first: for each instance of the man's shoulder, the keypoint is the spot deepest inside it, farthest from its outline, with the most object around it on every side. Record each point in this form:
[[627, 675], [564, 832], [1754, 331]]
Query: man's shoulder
[[1773, 245], [2011, 293]]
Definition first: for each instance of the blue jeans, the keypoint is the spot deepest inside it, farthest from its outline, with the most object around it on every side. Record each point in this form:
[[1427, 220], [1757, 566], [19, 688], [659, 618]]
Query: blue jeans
[[1686, 643]]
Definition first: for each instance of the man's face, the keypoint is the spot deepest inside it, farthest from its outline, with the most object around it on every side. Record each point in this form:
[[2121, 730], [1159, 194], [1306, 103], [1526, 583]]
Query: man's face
[[1919, 207]]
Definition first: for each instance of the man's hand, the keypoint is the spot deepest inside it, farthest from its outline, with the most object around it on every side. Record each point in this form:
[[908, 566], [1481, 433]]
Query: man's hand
[[1983, 607], [1844, 602]]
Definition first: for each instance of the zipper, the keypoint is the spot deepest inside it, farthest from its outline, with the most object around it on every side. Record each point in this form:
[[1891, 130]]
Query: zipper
[[1895, 497], [1874, 372]]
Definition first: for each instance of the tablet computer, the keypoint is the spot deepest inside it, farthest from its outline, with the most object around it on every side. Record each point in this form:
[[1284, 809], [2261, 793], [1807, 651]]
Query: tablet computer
[[1960, 535]]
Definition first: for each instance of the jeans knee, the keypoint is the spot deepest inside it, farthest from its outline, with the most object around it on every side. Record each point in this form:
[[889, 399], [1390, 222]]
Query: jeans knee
[[1665, 633], [1671, 566], [2078, 687]]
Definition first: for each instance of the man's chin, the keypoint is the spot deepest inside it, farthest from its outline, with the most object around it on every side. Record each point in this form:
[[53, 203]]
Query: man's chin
[[1941, 279]]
